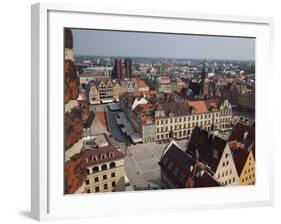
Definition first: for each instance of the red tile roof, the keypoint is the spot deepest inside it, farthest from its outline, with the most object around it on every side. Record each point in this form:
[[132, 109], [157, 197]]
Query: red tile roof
[[74, 175], [199, 105], [100, 115], [102, 118]]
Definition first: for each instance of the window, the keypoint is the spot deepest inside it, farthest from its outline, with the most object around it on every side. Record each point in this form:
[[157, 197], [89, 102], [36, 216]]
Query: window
[[230, 171], [233, 179], [97, 189], [105, 186], [111, 154], [226, 155], [223, 164], [104, 167], [95, 169], [112, 165], [243, 180], [225, 182], [227, 162], [88, 191], [219, 175], [226, 173], [113, 184], [87, 182], [112, 174], [229, 181], [96, 179], [222, 174], [104, 177]]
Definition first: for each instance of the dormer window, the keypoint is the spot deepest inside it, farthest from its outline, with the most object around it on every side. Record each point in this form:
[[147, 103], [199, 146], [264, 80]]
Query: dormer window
[[111, 154], [94, 158], [103, 156]]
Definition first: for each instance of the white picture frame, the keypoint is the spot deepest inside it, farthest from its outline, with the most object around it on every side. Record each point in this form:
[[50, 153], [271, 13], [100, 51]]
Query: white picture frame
[[48, 201]]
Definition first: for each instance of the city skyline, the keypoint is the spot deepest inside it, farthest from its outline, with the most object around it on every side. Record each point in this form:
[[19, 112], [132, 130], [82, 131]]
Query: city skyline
[[161, 45]]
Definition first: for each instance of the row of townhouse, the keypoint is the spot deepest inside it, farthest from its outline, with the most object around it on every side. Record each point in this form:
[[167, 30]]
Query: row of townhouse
[[107, 90], [226, 162], [163, 121]]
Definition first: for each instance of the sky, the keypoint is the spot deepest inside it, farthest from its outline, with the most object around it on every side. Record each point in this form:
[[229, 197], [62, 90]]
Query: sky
[[161, 45]]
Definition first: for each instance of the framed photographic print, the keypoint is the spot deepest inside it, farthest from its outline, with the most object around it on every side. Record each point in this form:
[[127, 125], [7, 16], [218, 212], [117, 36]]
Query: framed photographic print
[[148, 111]]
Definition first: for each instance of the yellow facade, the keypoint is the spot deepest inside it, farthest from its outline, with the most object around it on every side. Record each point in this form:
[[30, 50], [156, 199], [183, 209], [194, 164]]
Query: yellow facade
[[247, 176]]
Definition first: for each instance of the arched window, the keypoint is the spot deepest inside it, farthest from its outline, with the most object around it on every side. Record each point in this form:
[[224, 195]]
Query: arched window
[[104, 167], [112, 165], [96, 169]]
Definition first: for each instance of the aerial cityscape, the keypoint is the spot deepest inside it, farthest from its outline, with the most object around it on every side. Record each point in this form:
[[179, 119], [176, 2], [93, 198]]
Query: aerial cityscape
[[151, 111]]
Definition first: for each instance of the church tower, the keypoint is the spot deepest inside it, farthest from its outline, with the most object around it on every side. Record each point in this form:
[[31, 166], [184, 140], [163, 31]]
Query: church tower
[[204, 84], [68, 45]]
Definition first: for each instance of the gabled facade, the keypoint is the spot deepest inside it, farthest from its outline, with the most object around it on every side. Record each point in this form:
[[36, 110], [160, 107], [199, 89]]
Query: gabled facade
[[215, 153], [242, 143]]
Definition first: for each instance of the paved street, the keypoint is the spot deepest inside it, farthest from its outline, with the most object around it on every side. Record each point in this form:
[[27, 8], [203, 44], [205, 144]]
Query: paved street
[[112, 125]]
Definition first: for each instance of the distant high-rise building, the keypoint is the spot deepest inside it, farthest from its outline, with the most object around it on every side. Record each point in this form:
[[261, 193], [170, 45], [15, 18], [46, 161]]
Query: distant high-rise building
[[128, 66]]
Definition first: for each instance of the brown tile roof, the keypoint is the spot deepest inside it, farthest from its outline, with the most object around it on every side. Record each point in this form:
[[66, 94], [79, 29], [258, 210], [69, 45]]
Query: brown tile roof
[[240, 157], [184, 169], [180, 161], [177, 108], [209, 147], [239, 130], [205, 180], [98, 152]]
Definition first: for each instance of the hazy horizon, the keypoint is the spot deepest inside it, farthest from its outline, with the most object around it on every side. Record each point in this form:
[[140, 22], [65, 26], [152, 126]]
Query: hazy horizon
[[101, 43]]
